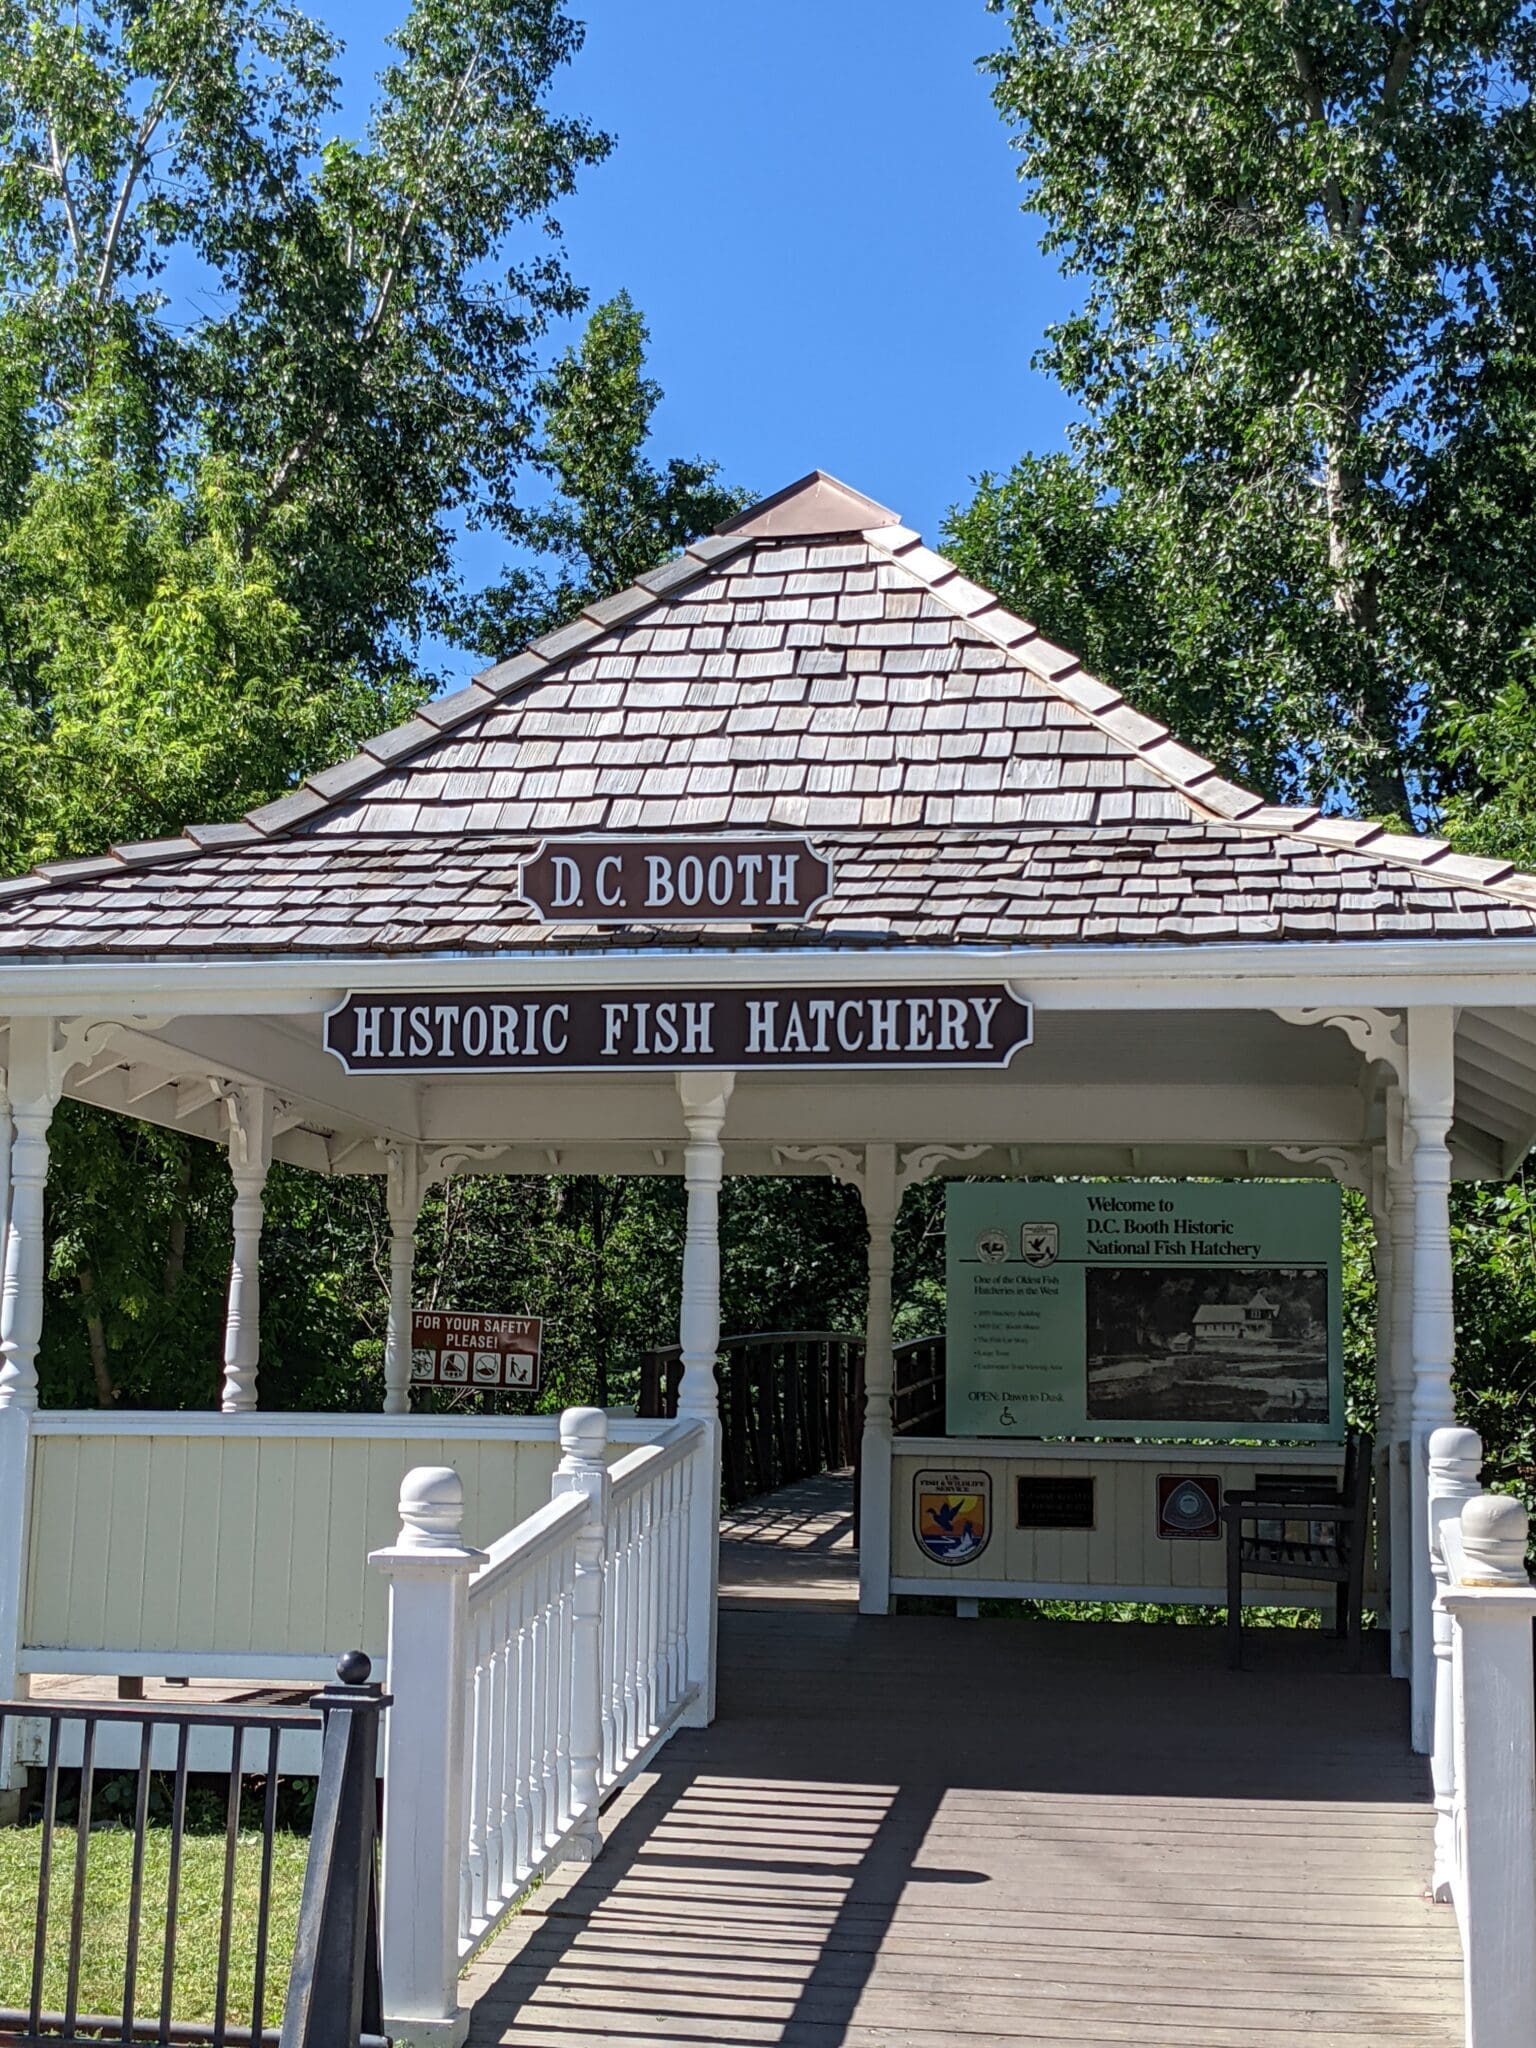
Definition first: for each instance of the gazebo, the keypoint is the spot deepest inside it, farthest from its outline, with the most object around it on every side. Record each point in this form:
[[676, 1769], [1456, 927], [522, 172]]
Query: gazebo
[[801, 855]]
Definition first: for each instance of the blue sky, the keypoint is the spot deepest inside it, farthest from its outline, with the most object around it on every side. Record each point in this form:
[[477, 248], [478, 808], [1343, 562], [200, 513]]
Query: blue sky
[[815, 206]]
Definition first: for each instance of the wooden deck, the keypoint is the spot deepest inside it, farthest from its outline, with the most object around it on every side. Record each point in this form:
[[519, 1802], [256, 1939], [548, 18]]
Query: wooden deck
[[920, 1832]]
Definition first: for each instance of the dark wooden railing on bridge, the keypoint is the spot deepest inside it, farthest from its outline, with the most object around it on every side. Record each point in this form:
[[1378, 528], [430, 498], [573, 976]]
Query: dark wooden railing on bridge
[[332, 1996], [792, 1402]]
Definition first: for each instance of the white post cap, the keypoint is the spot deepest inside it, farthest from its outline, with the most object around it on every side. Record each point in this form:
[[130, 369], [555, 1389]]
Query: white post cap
[[431, 1509], [584, 1433], [1494, 1530]]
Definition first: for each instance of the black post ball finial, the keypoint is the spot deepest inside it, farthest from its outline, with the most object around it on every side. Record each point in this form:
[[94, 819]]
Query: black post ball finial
[[355, 1668]]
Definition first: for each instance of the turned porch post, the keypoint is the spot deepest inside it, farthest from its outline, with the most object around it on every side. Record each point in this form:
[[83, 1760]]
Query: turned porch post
[[1428, 1107], [1387, 1554], [249, 1112], [704, 1098], [405, 1190], [15, 1470], [34, 1083], [878, 1186], [5, 1165], [1400, 1505]]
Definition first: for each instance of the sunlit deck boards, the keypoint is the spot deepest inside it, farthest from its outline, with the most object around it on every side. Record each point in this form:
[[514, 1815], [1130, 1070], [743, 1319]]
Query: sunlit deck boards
[[915, 1833]]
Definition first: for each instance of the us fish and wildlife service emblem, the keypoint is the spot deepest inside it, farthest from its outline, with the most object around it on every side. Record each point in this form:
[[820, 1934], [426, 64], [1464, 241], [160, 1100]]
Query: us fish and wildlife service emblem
[[952, 1514], [1039, 1243]]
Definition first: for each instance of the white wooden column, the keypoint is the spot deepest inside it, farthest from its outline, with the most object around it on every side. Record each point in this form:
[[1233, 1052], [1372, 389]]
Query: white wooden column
[[1400, 1343], [405, 1190], [6, 1133], [704, 1099], [15, 1491], [1429, 1103], [41, 1053], [882, 1196], [249, 1113], [1386, 1387], [34, 1082]]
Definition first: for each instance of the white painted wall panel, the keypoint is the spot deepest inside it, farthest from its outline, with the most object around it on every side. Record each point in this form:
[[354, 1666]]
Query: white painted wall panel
[[251, 1539]]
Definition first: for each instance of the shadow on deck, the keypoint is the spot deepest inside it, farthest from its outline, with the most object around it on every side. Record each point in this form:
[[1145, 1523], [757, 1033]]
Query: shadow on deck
[[918, 1832]]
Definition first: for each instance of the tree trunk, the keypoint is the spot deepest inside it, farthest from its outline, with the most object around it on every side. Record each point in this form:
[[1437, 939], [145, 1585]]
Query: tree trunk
[[96, 1335], [176, 1246], [1357, 600]]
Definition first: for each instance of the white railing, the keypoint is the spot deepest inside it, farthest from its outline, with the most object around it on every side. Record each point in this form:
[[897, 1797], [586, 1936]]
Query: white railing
[[528, 1682], [1484, 1757], [645, 1683], [515, 1700]]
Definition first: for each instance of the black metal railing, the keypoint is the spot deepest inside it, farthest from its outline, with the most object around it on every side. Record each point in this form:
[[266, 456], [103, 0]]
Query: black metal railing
[[792, 1402], [333, 1983]]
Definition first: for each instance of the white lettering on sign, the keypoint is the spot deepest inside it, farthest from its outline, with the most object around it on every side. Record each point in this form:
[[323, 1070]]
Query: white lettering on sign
[[588, 1031], [675, 881]]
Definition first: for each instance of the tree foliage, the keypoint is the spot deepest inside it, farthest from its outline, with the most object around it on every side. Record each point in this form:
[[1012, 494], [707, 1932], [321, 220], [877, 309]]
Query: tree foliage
[[1297, 516], [615, 513], [253, 375]]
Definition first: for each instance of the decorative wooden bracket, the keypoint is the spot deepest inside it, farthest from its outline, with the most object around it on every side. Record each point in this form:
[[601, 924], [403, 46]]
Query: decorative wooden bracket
[[849, 1166], [1375, 1034], [1350, 1165]]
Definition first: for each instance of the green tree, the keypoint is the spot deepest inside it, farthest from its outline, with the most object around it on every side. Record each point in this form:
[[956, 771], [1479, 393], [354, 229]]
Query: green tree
[[253, 377], [1298, 514], [615, 513]]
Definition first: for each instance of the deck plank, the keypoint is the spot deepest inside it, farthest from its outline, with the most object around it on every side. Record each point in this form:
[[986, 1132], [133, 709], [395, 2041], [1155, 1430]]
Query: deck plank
[[923, 1832]]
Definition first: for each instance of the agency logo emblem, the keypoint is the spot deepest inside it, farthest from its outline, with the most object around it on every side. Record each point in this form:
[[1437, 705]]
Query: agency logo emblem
[[952, 1514], [1039, 1243], [1188, 1508]]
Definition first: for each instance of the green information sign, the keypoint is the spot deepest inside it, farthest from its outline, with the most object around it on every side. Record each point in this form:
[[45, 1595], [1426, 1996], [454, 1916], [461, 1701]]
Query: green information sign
[[1160, 1309]]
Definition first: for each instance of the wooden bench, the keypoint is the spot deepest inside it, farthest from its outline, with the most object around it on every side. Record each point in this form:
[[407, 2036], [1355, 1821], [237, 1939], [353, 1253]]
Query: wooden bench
[[1332, 1548]]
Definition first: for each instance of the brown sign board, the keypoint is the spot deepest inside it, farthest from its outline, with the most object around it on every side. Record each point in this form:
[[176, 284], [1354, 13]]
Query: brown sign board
[[491, 1353], [766, 880], [602, 1030]]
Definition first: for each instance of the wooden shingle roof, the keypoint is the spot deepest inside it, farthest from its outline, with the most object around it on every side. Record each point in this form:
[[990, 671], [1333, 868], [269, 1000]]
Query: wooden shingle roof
[[813, 669]]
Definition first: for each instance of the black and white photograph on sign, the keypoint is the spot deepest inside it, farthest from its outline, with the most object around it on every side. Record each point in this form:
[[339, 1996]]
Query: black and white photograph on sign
[[1189, 1344]]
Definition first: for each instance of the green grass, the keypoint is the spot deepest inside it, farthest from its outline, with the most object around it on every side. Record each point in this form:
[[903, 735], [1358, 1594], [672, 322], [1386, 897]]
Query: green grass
[[104, 1947]]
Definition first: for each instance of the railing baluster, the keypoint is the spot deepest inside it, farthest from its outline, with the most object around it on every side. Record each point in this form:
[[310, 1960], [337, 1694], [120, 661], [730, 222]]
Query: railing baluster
[[496, 1781], [136, 1879], [632, 1736], [511, 1855], [264, 1904], [82, 1852], [479, 1679], [173, 1882], [539, 1827], [567, 1644], [609, 1661], [523, 1715], [231, 1845], [554, 1822], [45, 1873]]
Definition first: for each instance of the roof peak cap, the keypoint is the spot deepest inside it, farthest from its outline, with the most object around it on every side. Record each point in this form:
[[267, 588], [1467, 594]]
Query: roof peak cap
[[816, 503]]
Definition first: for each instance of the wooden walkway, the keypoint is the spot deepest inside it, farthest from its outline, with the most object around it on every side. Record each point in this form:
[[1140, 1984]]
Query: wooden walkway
[[922, 1832]]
